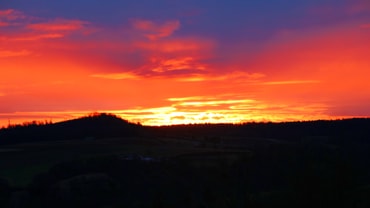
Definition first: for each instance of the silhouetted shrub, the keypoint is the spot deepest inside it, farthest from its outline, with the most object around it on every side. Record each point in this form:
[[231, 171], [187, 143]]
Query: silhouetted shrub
[[5, 191], [88, 190]]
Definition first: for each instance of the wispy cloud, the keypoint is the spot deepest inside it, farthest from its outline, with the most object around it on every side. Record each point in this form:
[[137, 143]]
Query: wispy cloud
[[6, 13], [223, 109], [235, 76], [34, 37], [58, 25], [175, 64], [154, 31], [117, 76], [6, 53], [181, 99], [291, 82], [11, 14], [10, 17], [28, 28], [214, 102], [176, 45]]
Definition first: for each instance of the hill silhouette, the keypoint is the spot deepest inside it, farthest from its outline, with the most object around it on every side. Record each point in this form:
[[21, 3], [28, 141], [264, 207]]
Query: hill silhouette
[[110, 162], [98, 125], [337, 131], [104, 125]]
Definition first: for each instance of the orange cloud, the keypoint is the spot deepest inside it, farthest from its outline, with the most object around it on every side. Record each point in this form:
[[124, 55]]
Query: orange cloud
[[176, 64], [300, 75], [223, 109], [182, 99], [154, 31], [213, 102], [290, 82], [58, 25], [117, 76], [234, 76]]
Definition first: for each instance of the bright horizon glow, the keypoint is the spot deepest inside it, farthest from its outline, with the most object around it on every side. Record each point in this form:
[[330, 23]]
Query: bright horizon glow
[[166, 119], [167, 116], [173, 62]]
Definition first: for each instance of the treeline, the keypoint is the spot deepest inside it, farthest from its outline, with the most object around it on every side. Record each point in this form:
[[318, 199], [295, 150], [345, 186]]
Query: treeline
[[102, 125], [29, 123], [94, 126], [339, 130]]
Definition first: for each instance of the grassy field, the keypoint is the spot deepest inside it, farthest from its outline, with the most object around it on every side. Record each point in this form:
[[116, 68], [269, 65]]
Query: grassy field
[[20, 163]]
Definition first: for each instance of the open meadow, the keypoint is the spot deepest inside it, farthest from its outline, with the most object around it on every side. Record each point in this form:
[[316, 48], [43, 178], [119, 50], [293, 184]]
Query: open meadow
[[312, 164]]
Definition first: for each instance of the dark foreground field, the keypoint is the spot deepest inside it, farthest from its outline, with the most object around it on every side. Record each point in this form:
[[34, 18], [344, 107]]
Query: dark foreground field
[[311, 164]]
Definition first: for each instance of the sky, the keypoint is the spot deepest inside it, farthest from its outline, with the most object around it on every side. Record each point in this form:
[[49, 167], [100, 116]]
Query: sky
[[172, 62]]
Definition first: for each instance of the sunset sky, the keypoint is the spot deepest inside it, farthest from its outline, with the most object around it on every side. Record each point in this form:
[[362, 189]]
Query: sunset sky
[[195, 61]]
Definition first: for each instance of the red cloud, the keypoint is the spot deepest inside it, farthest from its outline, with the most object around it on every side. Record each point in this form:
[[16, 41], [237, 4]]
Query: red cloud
[[58, 25], [3, 24], [36, 37], [143, 24], [176, 45], [10, 14], [6, 12], [4, 54], [155, 31], [7, 17], [181, 63], [365, 26]]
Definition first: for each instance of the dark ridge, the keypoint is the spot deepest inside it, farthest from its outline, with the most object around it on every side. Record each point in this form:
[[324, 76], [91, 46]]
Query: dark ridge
[[355, 129], [103, 125], [94, 126]]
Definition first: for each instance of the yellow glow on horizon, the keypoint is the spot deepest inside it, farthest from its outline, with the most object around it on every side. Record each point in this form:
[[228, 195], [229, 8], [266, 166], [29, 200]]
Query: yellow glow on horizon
[[166, 117], [217, 111]]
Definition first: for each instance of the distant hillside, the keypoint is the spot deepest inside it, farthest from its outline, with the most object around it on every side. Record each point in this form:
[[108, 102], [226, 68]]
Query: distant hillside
[[336, 130], [104, 125], [89, 127]]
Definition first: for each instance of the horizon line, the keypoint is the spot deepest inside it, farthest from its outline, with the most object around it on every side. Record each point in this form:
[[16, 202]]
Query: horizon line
[[96, 114]]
